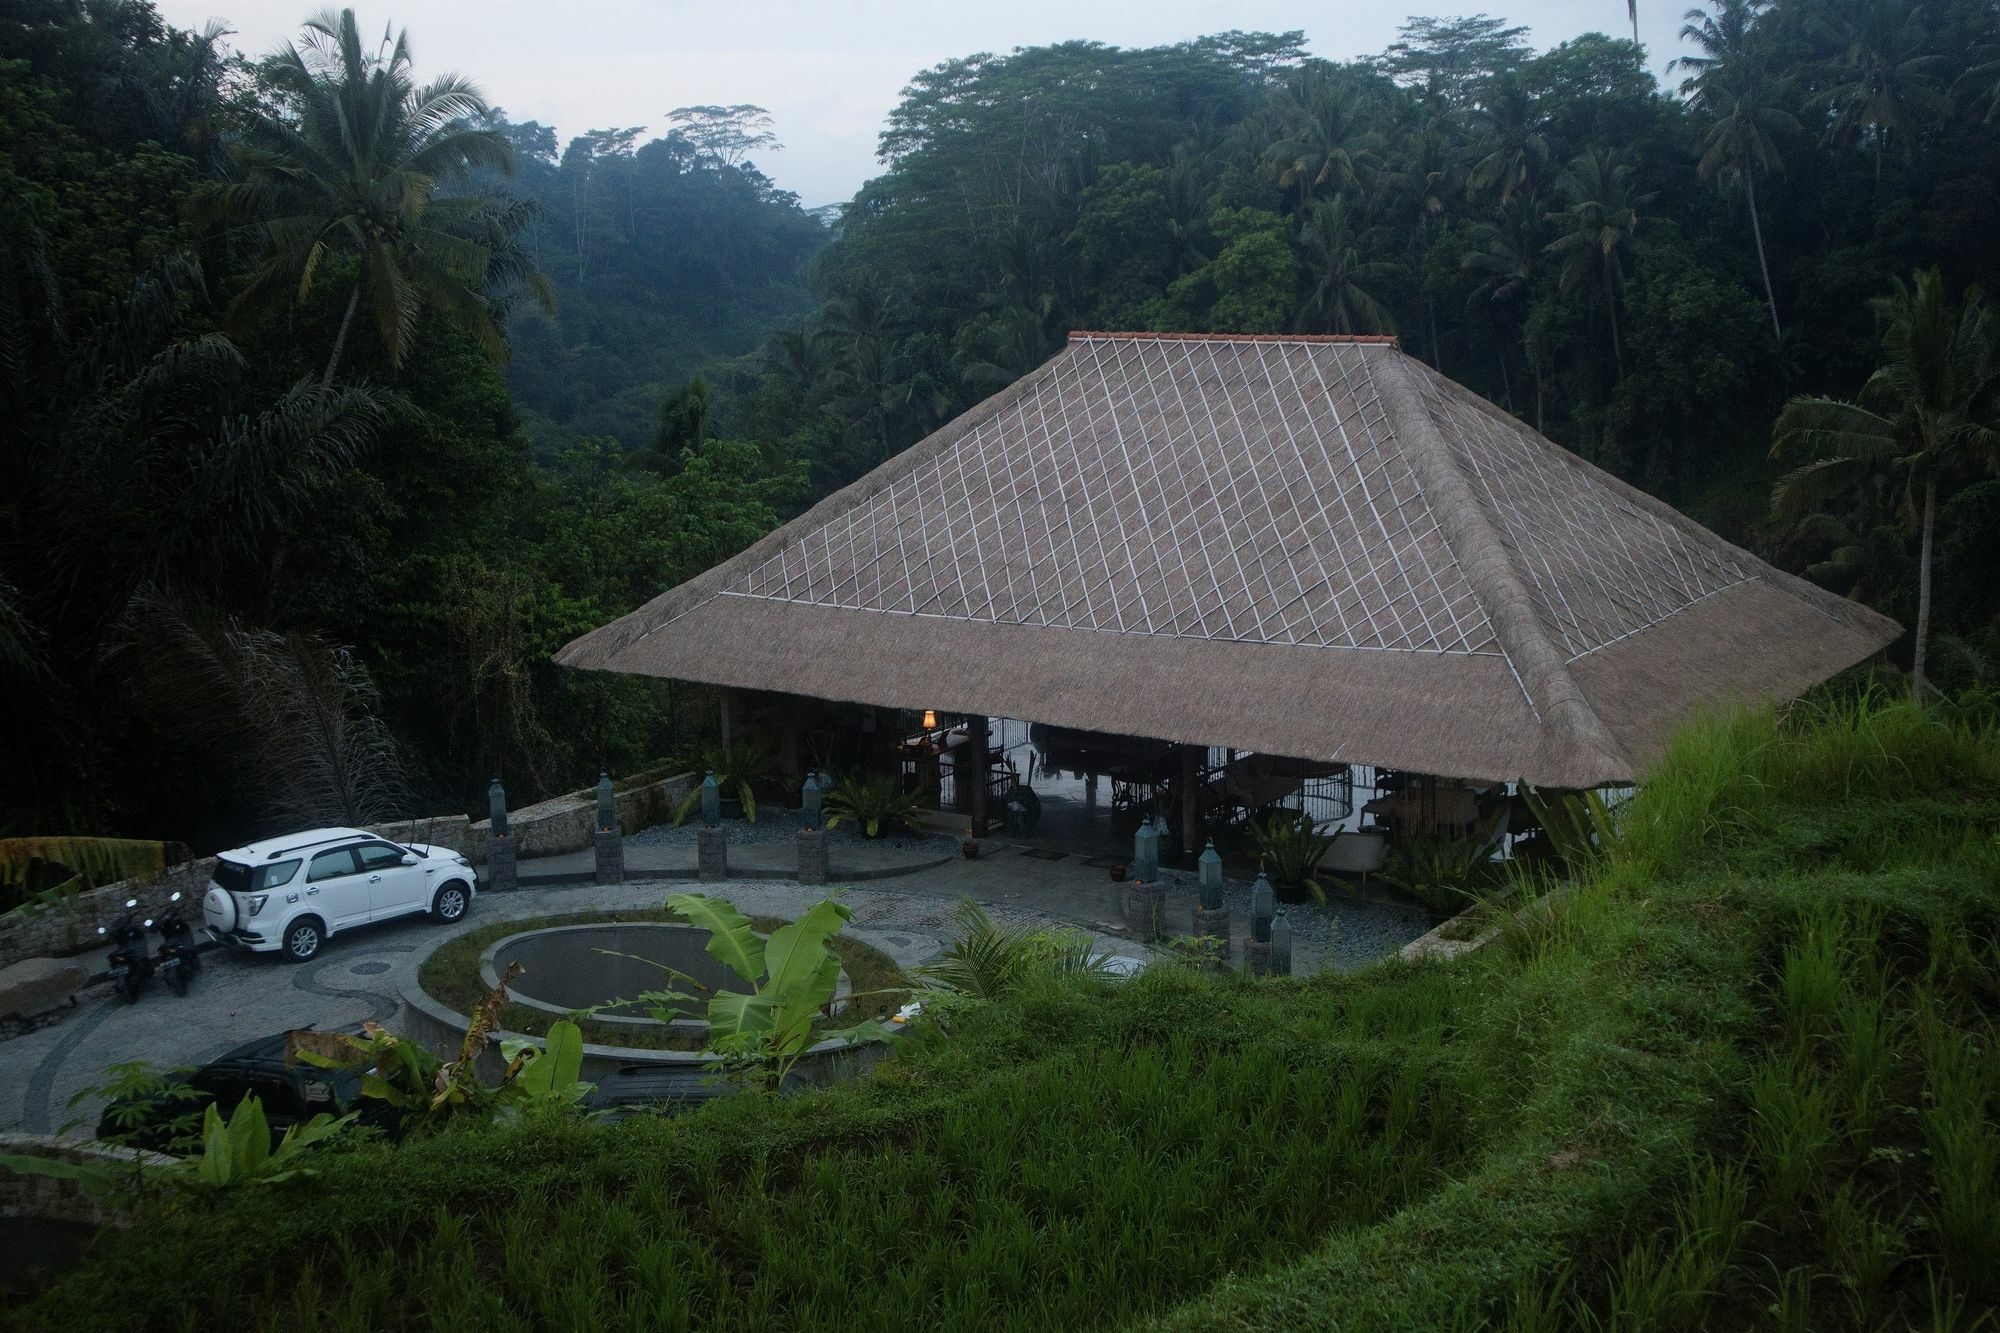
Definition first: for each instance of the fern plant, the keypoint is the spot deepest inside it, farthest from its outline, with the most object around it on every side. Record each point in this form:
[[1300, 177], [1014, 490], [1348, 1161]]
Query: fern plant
[[988, 960], [1291, 847], [873, 803], [738, 767], [1445, 875]]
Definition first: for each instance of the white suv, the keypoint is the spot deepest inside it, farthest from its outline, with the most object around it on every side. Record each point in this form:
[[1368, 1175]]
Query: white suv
[[288, 894]]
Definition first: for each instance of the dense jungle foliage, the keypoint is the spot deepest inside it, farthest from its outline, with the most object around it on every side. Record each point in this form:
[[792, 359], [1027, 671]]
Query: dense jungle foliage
[[276, 494]]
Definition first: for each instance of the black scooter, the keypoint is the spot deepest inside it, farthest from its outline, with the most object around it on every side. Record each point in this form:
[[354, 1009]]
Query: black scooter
[[178, 962], [132, 961]]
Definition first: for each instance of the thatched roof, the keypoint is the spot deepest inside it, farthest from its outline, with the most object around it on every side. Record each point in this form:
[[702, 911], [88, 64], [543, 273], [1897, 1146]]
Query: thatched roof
[[1305, 546]]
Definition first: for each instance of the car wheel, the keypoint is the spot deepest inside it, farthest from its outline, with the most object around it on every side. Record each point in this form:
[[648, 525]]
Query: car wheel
[[302, 940], [451, 903]]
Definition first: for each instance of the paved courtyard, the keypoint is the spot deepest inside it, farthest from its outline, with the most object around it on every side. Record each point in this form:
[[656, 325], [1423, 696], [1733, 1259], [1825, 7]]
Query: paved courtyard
[[359, 975]]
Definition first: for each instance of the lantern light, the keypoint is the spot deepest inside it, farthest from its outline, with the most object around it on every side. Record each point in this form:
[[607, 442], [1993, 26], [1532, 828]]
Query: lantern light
[[1211, 879], [930, 719], [607, 803], [809, 799], [711, 801], [496, 807], [1145, 853], [1281, 944], [1262, 900]]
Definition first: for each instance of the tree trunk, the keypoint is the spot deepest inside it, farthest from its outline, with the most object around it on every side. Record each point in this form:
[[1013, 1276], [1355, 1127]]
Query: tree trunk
[[1757, 230], [1617, 352], [1924, 591], [1430, 316], [340, 338]]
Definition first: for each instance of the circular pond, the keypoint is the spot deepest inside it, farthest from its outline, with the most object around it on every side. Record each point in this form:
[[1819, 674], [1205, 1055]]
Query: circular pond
[[565, 968]]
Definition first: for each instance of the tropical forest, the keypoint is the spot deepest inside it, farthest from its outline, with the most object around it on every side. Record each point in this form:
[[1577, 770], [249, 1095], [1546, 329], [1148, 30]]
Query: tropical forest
[[337, 400]]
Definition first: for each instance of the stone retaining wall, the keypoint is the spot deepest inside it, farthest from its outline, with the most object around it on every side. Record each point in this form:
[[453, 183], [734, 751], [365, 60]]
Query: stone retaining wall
[[569, 823], [72, 927], [23, 1195]]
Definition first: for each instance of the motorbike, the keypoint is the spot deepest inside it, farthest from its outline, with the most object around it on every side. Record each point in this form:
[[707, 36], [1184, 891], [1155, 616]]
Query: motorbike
[[178, 962], [132, 961]]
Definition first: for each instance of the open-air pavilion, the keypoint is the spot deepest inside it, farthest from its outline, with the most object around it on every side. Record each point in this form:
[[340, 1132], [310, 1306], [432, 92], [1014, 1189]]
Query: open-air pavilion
[[1311, 548]]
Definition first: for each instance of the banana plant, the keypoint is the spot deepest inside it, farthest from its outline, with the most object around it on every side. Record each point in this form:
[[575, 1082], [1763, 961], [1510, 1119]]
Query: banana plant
[[550, 1074], [239, 1152], [790, 978]]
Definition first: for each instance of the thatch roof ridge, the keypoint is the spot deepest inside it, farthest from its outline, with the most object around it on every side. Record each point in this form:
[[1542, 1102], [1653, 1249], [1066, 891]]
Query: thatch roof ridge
[[682, 598], [1538, 664]]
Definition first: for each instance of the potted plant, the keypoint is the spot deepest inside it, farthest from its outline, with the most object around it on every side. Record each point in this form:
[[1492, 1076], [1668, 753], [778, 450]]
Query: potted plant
[[873, 803], [1292, 847], [739, 768], [970, 846]]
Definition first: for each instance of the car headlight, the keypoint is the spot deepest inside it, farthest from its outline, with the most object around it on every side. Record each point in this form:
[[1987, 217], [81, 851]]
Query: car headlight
[[462, 861], [257, 902]]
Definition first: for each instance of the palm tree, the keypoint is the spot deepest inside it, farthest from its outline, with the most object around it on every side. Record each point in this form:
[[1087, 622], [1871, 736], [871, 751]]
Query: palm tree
[[1724, 38], [1741, 142], [1515, 154], [1327, 146], [1506, 256], [1338, 303], [1599, 230], [349, 164], [1929, 412], [1882, 79]]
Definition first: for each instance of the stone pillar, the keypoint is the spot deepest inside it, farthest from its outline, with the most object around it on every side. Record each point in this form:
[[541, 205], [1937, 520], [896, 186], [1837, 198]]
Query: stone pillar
[[610, 856], [1213, 922], [1145, 909], [1257, 957], [812, 856], [712, 860], [500, 861]]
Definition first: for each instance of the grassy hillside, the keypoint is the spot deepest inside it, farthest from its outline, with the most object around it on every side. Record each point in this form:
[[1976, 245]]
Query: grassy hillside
[[1741, 1078]]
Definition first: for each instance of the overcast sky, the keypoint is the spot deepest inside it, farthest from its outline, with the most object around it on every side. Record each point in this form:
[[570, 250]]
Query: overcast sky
[[830, 70]]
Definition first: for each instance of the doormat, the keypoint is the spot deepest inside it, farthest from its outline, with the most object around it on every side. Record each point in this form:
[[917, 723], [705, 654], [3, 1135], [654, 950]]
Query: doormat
[[1044, 854]]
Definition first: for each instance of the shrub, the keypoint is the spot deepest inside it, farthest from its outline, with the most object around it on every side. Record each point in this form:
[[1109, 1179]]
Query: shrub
[[873, 802]]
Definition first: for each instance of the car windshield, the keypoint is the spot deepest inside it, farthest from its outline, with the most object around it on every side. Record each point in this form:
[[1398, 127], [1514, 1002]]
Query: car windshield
[[239, 878]]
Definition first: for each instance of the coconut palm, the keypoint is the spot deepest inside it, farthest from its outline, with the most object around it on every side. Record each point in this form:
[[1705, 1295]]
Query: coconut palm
[[1514, 155], [1930, 412], [1883, 79], [1506, 256], [1741, 143], [1338, 303], [1723, 37], [1599, 230], [349, 164], [1328, 146]]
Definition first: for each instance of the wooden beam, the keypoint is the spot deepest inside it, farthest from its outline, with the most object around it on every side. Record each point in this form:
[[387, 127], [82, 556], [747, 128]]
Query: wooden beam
[[976, 729], [1191, 757]]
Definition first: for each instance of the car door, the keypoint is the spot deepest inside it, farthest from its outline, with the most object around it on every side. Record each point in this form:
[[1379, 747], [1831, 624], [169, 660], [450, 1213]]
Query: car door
[[336, 888], [394, 889]]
